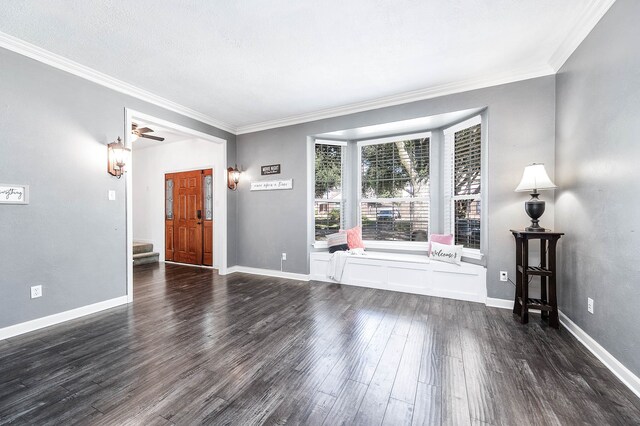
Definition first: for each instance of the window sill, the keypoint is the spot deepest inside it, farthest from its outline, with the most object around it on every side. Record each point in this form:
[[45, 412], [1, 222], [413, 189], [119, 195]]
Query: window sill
[[472, 254], [396, 246], [403, 246]]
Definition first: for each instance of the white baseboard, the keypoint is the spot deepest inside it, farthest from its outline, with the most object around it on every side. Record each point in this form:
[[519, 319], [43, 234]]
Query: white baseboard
[[621, 372], [268, 273], [499, 303], [36, 324]]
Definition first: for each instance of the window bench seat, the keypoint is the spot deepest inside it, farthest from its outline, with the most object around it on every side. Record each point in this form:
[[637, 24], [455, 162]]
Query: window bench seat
[[408, 273]]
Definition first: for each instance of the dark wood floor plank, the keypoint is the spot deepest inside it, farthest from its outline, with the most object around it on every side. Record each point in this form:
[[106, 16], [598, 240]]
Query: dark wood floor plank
[[375, 402], [455, 405], [199, 348], [366, 365], [346, 405], [398, 413], [406, 381], [428, 406]]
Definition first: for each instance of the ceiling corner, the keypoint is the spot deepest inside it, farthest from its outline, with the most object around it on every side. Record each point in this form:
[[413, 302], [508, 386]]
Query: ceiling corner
[[592, 15]]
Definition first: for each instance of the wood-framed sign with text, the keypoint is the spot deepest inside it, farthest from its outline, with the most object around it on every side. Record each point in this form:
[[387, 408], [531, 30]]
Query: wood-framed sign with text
[[271, 169], [14, 194]]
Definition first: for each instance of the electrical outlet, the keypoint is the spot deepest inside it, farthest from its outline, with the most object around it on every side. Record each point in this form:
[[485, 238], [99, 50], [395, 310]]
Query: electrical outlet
[[112, 195], [284, 256], [504, 276], [36, 291], [590, 305]]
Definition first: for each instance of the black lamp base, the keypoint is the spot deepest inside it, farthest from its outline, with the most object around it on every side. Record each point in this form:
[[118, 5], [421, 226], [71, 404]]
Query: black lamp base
[[534, 208]]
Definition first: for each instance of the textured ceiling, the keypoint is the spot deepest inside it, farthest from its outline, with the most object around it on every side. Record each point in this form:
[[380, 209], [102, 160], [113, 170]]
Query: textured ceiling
[[169, 135], [245, 62]]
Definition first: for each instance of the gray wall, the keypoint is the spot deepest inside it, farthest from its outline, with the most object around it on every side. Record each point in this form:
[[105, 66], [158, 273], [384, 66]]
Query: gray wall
[[521, 130], [597, 152], [54, 128]]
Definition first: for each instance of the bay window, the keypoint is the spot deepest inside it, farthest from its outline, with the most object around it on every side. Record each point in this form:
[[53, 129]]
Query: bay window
[[387, 185]]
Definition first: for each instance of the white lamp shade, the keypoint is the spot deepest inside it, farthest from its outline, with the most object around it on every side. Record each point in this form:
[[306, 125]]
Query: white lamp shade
[[535, 177]]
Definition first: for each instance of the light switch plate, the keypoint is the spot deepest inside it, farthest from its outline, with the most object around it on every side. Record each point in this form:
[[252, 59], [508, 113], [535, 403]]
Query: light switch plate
[[112, 195]]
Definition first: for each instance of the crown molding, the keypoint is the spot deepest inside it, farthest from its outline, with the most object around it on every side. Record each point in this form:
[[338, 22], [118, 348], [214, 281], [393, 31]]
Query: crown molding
[[592, 15], [403, 98], [39, 54]]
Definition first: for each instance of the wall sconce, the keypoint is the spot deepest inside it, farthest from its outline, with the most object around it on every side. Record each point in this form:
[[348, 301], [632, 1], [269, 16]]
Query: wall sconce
[[535, 178], [233, 175], [116, 158]]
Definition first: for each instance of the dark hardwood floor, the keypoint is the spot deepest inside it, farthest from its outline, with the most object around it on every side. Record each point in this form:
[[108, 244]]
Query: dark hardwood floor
[[197, 348]]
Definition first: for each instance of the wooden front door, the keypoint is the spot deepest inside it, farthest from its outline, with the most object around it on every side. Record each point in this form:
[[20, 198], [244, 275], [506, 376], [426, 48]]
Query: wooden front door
[[187, 225]]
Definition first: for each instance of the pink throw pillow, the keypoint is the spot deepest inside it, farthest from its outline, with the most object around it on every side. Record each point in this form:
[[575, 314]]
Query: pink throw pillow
[[441, 239], [354, 237]]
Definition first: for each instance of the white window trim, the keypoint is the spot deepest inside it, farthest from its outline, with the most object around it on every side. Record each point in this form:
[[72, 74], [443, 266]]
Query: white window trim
[[463, 125], [447, 174], [311, 176], [472, 253], [397, 138], [329, 142]]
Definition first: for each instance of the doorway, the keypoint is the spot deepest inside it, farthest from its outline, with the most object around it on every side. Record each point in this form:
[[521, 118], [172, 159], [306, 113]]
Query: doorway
[[201, 152], [189, 217]]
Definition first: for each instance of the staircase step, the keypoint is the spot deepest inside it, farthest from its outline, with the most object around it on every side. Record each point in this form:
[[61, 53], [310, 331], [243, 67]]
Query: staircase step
[[142, 248], [145, 258]]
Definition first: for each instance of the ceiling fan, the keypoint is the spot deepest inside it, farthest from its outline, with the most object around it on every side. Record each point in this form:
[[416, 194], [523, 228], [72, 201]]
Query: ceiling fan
[[142, 132]]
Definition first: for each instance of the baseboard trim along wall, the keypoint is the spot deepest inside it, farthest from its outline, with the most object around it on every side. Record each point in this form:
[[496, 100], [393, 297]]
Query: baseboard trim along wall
[[623, 373], [36, 324], [268, 273], [499, 303], [616, 367]]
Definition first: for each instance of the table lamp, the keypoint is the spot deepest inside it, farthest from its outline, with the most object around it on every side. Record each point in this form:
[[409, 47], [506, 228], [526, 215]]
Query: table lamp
[[535, 178]]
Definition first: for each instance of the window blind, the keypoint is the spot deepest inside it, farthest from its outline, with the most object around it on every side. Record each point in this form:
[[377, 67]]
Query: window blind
[[462, 183], [394, 203]]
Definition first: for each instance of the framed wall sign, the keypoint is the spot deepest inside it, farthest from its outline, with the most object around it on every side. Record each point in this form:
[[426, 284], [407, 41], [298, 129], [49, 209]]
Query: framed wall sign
[[14, 194], [272, 169], [271, 185]]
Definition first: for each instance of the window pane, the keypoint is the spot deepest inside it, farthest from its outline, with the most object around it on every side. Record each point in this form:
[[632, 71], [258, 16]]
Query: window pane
[[327, 217], [168, 201], [396, 169], [398, 221], [467, 223], [328, 171], [328, 186], [467, 161], [208, 197]]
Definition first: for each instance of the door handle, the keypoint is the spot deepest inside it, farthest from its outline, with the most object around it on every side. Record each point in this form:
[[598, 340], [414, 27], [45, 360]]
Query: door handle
[[199, 214]]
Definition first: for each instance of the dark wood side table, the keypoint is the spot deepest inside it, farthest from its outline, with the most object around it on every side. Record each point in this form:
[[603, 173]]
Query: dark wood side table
[[548, 302]]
